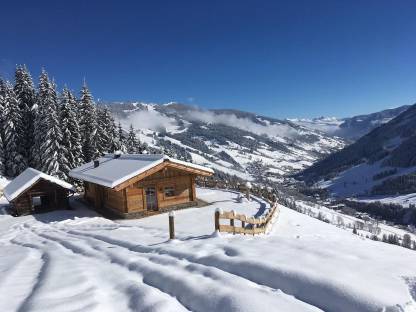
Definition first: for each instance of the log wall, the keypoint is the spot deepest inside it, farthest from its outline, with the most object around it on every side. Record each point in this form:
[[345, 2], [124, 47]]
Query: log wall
[[132, 199], [55, 195]]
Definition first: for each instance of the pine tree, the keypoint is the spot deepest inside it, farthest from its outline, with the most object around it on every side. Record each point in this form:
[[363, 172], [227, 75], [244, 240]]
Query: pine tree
[[71, 140], [131, 142], [110, 125], [40, 125], [103, 135], [13, 161], [50, 148], [2, 123], [76, 140], [121, 143], [25, 94], [88, 125]]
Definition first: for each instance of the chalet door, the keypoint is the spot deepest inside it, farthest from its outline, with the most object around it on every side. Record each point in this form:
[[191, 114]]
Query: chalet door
[[151, 198]]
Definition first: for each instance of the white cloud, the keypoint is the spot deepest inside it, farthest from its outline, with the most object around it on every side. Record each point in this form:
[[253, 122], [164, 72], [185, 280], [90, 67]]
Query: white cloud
[[149, 119], [280, 130]]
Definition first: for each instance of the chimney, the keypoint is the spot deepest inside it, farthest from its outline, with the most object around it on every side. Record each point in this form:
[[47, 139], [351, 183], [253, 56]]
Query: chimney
[[96, 163]]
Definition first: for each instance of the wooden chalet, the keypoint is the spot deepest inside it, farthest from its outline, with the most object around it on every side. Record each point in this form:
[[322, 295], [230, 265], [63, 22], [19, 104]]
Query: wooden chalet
[[130, 186], [33, 191]]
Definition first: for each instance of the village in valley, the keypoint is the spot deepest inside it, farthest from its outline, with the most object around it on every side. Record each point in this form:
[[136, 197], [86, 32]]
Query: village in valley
[[161, 205]]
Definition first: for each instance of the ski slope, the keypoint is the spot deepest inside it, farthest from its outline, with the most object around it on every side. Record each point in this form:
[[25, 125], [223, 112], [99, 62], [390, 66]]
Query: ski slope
[[78, 261]]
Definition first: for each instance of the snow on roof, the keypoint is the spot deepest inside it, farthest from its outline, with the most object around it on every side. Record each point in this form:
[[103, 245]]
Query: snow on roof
[[26, 179], [113, 171]]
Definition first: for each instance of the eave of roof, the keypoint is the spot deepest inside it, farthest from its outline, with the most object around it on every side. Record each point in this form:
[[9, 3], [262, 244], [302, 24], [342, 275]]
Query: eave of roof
[[114, 183], [33, 177]]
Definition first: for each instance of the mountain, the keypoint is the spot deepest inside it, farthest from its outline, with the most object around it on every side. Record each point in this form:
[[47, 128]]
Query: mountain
[[351, 128], [231, 141], [381, 162]]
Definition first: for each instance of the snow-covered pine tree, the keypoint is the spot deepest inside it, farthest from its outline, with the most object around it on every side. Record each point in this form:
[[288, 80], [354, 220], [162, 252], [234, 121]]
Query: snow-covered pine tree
[[40, 125], [13, 160], [121, 141], [88, 125], [50, 149], [141, 147], [131, 142], [110, 125], [71, 140], [103, 136], [76, 143], [26, 96], [2, 121]]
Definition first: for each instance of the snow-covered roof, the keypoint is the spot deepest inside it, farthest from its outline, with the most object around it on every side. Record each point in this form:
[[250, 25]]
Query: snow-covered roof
[[113, 171], [26, 179]]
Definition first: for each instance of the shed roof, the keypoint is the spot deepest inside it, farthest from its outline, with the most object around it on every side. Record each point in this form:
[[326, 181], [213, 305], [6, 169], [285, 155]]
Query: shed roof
[[26, 179], [113, 171]]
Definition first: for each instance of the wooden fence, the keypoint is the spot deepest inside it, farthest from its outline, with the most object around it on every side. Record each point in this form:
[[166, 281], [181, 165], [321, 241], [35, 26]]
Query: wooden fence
[[248, 225]]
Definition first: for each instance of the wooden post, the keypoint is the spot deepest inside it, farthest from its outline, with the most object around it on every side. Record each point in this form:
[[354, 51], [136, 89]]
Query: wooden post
[[232, 222], [217, 220], [172, 225]]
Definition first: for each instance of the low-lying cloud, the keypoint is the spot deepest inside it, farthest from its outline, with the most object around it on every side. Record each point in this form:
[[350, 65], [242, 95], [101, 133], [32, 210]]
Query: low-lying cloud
[[153, 120], [243, 124], [149, 119]]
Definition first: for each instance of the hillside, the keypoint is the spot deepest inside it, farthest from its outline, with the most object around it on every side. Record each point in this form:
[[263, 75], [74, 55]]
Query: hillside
[[78, 261], [234, 142], [351, 128], [381, 162]]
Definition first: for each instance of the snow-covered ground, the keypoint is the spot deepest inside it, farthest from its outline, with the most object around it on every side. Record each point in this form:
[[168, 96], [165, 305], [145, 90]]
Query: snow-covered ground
[[358, 180], [403, 200], [78, 261]]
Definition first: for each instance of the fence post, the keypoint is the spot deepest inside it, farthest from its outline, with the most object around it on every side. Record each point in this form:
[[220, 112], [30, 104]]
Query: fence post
[[172, 225], [232, 221], [217, 219]]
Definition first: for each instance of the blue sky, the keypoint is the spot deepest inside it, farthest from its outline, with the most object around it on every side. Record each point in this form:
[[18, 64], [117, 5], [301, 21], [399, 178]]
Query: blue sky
[[283, 59]]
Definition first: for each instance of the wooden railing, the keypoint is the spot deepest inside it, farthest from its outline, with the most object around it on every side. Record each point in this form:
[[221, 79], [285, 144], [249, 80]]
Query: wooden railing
[[249, 225]]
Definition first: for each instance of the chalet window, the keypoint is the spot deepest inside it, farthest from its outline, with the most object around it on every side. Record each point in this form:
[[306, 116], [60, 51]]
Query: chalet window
[[169, 191], [36, 201]]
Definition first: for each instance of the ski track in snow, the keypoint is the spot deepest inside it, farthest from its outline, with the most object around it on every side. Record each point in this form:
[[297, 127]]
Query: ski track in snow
[[80, 265]]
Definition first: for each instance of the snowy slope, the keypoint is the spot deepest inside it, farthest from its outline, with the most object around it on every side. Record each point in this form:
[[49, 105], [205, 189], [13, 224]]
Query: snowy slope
[[230, 141], [77, 261], [383, 162], [351, 128]]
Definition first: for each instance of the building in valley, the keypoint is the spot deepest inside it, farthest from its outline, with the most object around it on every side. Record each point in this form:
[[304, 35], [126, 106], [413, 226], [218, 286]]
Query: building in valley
[[130, 186], [33, 191]]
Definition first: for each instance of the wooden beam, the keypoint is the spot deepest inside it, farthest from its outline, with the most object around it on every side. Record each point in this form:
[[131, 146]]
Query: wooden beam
[[193, 192]]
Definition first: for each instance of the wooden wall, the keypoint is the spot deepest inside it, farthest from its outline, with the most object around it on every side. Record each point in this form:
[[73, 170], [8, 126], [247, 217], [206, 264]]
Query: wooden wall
[[57, 197], [180, 180], [133, 197]]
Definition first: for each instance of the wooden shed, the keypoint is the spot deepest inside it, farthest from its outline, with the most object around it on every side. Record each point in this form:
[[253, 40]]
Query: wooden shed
[[34, 191], [136, 185]]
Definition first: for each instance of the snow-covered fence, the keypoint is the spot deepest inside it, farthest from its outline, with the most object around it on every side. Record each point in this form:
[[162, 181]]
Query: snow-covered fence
[[249, 225]]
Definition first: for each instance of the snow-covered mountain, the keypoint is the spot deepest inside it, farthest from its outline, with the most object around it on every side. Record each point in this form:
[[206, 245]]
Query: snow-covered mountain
[[231, 141], [382, 162], [351, 128]]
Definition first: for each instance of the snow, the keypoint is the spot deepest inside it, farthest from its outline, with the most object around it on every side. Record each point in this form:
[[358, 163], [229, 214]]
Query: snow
[[113, 171], [403, 200], [26, 179], [358, 180], [78, 261]]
